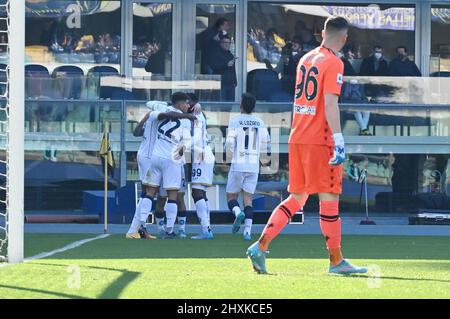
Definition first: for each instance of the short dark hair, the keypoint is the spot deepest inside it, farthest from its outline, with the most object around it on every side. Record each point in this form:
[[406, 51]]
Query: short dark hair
[[192, 97], [179, 96], [347, 48], [248, 102], [220, 22], [335, 24], [377, 46], [297, 40], [225, 37], [401, 47]]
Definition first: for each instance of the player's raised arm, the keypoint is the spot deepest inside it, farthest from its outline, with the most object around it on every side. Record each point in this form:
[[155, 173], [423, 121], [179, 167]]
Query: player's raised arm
[[231, 137], [176, 116], [139, 129]]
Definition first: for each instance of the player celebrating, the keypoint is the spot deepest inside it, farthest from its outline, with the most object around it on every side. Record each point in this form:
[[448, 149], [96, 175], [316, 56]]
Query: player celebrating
[[247, 137], [152, 124], [202, 170], [316, 149], [145, 128]]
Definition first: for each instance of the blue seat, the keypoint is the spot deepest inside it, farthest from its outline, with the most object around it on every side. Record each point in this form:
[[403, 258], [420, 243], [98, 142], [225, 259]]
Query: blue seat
[[69, 81], [105, 92], [122, 94], [31, 69], [262, 83], [38, 83], [68, 69], [103, 69]]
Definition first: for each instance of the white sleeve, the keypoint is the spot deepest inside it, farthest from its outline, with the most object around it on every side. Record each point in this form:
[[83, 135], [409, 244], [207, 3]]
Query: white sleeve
[[231, 136], [198, 139], [157, 106], [265, 140], [154, 115]]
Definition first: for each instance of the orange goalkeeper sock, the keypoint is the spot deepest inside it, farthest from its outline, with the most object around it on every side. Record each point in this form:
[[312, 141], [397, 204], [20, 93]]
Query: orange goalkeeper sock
[[279, 218], [330, 224]]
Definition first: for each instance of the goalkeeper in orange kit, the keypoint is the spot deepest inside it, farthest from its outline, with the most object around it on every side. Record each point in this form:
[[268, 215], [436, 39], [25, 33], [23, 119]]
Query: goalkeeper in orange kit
[[316, 149]]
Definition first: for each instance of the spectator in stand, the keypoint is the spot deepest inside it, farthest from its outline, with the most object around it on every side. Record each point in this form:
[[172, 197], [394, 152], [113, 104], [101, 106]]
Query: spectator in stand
[[402, 65], [309, 42], [68, 43], [287, 66], [106, 51], [347, 56], [156, 58], [222, 62], [375, 65], [210, 40], [353, 92], [298, 28], [86, 44], [266, 45]]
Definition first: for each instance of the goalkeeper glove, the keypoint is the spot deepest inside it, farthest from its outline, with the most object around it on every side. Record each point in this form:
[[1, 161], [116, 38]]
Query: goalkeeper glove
[[339, 150]]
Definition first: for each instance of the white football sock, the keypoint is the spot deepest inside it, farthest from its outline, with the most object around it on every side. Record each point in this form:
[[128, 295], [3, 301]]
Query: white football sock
[[160, 224], [171, 216], [146, 209], [182, 223], [202, 214], [136, 222], [248, 225], [236, 211]]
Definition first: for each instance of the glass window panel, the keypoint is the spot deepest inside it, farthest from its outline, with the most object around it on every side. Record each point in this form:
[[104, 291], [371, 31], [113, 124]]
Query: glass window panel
[[440, 42], [279, 34], [215, 58], [152, 39], [62, 140], [63, 32]]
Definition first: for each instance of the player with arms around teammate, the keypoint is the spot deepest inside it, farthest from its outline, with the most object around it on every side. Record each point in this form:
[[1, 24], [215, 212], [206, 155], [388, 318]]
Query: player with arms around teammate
[[247, 138], [202, 170], [173, 137], [316, 149], [147, 128]]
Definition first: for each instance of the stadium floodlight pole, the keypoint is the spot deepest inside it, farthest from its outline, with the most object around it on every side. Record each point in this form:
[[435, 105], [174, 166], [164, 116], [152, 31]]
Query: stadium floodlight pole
[[15, 146]]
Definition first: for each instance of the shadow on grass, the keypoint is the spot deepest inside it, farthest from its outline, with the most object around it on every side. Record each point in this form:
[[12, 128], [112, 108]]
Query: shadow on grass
[[114, 290], [41, 291]]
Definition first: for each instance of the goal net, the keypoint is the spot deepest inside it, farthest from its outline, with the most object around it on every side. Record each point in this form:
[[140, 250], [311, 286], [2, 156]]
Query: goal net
[[12, 55]]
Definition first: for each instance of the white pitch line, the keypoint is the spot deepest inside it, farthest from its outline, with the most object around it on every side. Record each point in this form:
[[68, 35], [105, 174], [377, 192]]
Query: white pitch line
[[65, 248], [59, 250]]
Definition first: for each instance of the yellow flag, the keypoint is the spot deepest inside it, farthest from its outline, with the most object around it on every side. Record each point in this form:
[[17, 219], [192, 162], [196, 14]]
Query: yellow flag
[[105, 151]]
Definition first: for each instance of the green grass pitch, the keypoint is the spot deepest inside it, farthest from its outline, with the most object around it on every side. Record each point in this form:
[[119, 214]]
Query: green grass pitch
[[402, 267]]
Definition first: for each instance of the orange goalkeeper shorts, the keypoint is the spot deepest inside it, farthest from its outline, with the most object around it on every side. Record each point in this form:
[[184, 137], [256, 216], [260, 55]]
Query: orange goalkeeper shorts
[[309, 171]]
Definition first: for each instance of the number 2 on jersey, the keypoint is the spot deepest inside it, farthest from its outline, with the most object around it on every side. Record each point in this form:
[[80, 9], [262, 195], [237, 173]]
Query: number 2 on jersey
[[168, 132], [308, 78]]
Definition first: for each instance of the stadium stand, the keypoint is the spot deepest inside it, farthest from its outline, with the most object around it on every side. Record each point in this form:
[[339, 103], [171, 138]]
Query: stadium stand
[[69, 79], [263, 83]]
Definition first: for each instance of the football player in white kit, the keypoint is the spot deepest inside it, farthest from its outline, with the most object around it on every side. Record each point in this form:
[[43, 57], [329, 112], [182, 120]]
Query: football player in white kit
[[148, 129], [247, 138], [202, 170], [172, 140]]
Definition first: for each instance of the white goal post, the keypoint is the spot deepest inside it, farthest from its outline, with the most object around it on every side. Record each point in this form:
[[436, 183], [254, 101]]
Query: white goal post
[[15, 131]]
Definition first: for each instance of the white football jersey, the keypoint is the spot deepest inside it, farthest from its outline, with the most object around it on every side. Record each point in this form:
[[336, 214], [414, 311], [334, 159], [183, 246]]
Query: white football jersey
[[247, 137], [150, 128], [171, 136], [200, 143]]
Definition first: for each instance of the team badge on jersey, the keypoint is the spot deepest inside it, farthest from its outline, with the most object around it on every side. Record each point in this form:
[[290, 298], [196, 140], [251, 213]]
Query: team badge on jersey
[[340, 78]]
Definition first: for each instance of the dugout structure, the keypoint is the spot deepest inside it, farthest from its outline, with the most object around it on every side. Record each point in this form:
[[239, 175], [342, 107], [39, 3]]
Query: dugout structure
[[12, 82]]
